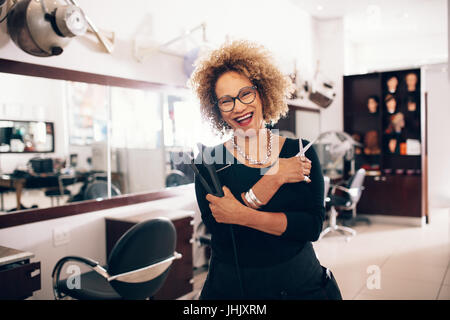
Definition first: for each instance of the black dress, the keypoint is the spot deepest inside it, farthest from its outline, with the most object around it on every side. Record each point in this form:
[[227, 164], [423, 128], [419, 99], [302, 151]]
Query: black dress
[[267, 266]]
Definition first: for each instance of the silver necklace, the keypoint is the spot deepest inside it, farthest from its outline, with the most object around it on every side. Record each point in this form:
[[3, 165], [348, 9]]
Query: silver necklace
[[248, 158]]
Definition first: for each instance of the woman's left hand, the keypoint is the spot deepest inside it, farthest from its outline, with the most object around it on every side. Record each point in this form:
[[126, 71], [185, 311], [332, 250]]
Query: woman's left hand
[[226, 209]]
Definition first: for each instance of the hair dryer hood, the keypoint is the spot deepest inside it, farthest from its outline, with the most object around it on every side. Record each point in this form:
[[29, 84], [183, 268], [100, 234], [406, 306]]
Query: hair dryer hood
[[43, 28]]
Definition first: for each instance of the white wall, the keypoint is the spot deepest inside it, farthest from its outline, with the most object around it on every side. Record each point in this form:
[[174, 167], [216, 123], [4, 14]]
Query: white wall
[[398, 38], [282, 27], [307, 124], [437, 83], [394, 54], [329, 50]]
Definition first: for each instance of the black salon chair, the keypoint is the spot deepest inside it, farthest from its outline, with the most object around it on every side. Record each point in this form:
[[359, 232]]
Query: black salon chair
[[60, 191], [99, 189], [351, 191], [137, 266]]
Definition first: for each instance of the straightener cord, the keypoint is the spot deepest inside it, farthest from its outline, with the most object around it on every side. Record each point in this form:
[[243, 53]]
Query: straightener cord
[[237, 262]]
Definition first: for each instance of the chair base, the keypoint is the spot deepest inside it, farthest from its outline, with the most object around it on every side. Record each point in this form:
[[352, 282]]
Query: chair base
[[341, 229], [333, 227], [353, 221]]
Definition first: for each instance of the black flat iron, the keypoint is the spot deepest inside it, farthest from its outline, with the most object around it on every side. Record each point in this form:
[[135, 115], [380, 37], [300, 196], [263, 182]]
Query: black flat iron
[[209, 178], [214, 187]]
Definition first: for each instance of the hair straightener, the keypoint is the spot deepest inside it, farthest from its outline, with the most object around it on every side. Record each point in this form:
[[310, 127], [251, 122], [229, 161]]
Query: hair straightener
[[212, 185]]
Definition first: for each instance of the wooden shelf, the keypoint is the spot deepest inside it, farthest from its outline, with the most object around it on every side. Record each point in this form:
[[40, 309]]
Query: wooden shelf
[[391, 191]]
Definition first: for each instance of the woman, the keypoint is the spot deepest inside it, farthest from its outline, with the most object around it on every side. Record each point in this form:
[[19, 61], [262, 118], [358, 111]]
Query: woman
[[273, 203]]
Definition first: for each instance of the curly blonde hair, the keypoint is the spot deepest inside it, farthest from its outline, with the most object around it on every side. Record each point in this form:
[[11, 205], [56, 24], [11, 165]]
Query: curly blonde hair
[[250, 60]]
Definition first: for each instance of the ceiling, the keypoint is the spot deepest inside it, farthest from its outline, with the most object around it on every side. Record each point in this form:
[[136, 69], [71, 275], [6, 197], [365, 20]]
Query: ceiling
[[364, 19]]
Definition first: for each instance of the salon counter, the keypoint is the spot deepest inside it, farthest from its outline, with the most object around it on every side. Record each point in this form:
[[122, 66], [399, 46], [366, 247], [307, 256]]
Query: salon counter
[[18, 277]]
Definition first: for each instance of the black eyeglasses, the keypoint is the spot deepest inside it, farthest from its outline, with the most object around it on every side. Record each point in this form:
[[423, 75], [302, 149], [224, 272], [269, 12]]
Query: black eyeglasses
[[246, 95]]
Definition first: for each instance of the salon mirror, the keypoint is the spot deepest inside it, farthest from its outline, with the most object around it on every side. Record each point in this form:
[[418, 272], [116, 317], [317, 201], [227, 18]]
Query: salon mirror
[[123, 135]]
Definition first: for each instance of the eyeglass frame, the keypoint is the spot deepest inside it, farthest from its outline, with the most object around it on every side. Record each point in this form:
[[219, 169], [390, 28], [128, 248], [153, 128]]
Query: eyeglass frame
[[237, 97]]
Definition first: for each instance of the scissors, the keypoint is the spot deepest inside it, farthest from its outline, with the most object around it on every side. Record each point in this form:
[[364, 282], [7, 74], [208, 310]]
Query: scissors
[[303, 150], [302, 153]]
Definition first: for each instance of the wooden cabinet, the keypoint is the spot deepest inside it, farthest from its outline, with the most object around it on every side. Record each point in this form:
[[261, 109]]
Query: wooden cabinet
[[180, 279], [386, 112], [18, 277], [391, 195]]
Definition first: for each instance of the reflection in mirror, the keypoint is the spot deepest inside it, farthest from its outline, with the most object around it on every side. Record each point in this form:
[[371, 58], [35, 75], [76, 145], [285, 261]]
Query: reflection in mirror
[[183, 129], [87, 109], [136, 139], [103, 136], [87, 106], [26, 136], [25, 177], [52, 133]]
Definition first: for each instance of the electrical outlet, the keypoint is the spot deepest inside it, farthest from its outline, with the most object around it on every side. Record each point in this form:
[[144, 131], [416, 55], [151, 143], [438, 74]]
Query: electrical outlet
[[61, 236]]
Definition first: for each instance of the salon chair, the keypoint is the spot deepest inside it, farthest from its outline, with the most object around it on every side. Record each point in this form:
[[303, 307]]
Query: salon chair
[[351, 191], [326, 184], [137, 266], [60, 191], [99, 189]]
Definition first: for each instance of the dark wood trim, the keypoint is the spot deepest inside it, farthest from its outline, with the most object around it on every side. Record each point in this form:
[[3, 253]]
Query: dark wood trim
[[37, 215], [299, 108], [36, 70]]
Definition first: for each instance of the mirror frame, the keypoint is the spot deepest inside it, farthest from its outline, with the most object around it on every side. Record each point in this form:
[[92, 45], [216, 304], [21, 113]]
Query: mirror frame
[[35, 215]]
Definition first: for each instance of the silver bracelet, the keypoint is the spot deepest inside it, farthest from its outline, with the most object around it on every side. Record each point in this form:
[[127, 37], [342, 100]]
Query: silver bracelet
[[250, 201], [254, 198]]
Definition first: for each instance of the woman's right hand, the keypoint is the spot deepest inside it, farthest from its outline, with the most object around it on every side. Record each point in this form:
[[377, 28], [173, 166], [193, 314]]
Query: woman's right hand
[[291, 170]]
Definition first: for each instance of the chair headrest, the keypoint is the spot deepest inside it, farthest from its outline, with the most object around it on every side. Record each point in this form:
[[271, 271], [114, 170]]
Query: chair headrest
[[146, 243], [357, 180]]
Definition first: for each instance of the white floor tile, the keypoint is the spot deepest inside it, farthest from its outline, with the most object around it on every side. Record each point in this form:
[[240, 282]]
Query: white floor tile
[[395, 288], [408, 268]]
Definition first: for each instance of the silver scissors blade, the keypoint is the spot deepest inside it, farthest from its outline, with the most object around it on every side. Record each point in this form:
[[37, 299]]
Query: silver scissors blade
[[304, 149]]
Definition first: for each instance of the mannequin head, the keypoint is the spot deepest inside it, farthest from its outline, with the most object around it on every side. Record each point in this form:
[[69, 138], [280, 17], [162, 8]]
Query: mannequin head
[[391, 104], [411, 81], [412, 106], [398, 122], [372, 104], [357, 138], [392, 84], [371, 143], [392, 145]]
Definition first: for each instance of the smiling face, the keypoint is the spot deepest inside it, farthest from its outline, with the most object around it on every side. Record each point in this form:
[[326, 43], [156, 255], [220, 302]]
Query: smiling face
[[244, 119]]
